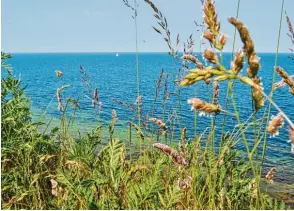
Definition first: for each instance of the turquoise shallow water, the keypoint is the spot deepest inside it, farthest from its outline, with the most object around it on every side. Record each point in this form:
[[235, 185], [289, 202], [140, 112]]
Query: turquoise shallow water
[[115, 77]]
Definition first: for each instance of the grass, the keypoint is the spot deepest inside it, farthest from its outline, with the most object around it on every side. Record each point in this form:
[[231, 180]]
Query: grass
[[140, 169]]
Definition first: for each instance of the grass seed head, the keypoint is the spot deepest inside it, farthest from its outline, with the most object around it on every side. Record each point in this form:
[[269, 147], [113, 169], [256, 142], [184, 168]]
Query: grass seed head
[[210, 56], [275, 124]]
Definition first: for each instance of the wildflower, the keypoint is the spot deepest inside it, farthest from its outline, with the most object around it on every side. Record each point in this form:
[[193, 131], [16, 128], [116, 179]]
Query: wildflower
[[287, 79], [275, 124], [59, 73], [237, 64], [172, 153], [198, 104], [210, 56], [270, 174]]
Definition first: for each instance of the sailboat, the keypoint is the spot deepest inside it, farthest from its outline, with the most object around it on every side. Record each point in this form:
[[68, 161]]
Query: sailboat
[[116, 54]]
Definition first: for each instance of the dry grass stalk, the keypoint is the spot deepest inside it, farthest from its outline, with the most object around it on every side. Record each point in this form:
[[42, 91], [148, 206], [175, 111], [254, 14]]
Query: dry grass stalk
[[183, 150], [177, 158], [73, 101], [270, 175], [58, 94], [210, 56], [215, 92], [275, 124], [95, 97], [158, 84], [194, 60], [290, 33], [212, 34], [237, 64], [59, 73], [206, 108], [287, 79], [162, 22], [160, 123], [114, 116], [139, 131], [257, 93], [253, 59], [126, 105]]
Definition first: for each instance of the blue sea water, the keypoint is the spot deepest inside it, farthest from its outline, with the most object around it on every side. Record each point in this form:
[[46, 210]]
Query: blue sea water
[[115, 77]]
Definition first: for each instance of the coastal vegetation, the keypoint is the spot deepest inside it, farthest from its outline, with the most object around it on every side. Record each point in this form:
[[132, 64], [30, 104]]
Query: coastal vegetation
[[158, 166]]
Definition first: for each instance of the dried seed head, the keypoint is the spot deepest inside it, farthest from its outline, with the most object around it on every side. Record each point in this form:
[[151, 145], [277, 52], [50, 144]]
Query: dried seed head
[[275, 124], [253, 60], [95, 95], [257, 93], [254, 65], [279, 84], [54, 185], [59, 73], [194, 60], [237, 64], [172, 153], [114, 116], [210, 56], [210, 17], [161, 124], [287, 79], [215, 93], [198, 104], [270, 175], [223, 39], [209, 36]]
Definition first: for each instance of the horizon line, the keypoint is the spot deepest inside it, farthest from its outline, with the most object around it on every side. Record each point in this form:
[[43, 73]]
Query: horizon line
[[31, 52]]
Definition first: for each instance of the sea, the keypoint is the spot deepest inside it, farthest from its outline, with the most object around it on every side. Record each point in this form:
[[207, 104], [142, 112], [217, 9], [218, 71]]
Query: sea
[[116, 80]]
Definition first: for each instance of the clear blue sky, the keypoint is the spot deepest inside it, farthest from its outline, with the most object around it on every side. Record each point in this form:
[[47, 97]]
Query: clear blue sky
[[107, 26]]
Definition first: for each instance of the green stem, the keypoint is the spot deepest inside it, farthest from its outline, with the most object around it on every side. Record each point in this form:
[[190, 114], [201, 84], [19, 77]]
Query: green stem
[[273, 79]]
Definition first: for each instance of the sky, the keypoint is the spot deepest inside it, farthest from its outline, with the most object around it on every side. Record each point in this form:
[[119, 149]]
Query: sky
[[107, 25]]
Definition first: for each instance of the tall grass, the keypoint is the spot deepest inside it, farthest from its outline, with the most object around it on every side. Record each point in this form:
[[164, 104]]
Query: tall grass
[[57, 171]]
